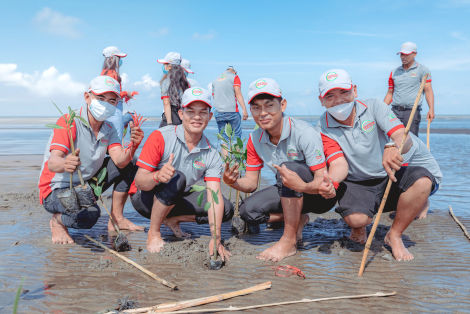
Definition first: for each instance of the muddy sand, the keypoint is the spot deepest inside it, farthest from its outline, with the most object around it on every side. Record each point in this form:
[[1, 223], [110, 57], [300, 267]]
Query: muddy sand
[[82, 278]]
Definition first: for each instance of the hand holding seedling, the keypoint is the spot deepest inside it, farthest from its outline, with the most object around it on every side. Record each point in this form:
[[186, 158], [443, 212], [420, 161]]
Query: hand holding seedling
[[224, 253], [231, 174], [326, 188], [72, 161], [137, 135], [165, 174], [290, 178]]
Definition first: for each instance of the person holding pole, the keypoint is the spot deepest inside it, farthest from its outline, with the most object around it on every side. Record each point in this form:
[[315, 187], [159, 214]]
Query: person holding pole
[[403, 85], [369, 133]]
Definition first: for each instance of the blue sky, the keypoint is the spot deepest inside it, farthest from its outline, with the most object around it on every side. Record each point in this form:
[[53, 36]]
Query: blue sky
[[52, 49]]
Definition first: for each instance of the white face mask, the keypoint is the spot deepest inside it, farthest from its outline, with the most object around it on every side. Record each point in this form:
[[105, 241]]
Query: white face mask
[[101, 110], [341, 112]]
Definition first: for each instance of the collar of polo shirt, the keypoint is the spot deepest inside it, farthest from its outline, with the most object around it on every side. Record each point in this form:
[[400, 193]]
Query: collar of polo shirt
[[285, 133], [203, 142]]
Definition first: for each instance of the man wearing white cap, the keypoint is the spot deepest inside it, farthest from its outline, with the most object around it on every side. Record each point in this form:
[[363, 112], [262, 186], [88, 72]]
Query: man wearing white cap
[[172, 160], [368, 133], [92, 140], [403, 86], [293, 150], [172, 84], [226, 91]]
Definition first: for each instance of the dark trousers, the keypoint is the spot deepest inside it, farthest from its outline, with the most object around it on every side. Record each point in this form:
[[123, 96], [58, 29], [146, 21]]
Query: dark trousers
[[404, 115], [175, 193], [175, 118], [257, 208]]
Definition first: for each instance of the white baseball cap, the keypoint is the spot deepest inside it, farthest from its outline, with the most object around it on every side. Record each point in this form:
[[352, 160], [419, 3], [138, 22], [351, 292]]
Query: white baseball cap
[[407, 48], [113, 51], [171, 58], [332, 79], [263, 86], [104, 84], [186, 65], [193, 94]]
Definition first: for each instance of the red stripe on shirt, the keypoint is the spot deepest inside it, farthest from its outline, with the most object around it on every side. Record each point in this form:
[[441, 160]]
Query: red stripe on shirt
[[45, 182], [252, 157], [163, 97], [330, 146], [391, 83], [113, 145], [236, 81], [392, 130], [211, 179], [152, 151], [319, 166]]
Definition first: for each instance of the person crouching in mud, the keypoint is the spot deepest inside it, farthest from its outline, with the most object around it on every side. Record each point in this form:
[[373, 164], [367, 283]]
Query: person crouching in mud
[[91, 143], [293, 150], [369, 133], [172, 160]]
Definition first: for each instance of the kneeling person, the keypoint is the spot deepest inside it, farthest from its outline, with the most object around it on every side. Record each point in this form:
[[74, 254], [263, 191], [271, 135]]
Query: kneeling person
[[92, 142], [369, 133], [172, 159], [293, 150]]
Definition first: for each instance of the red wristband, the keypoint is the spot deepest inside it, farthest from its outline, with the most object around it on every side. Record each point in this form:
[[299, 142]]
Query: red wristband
[[336, 184]]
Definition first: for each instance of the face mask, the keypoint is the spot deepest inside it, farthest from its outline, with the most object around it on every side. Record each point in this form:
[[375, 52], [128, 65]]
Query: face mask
[[341, 112], [120, 62], [165, 71], [101, 110]]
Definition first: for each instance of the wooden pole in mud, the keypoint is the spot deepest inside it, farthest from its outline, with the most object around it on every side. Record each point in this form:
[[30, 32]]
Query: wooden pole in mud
[[451, 212], [129, 261], [242, 308], [175, 306], [428, 131], [389, 183]]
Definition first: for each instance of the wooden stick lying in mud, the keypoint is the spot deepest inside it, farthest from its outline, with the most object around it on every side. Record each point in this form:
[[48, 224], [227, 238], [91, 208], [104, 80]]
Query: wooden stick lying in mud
[[428, 131], [451, 212], [129, 261], [175, 306], [389, 183], [242, 308]]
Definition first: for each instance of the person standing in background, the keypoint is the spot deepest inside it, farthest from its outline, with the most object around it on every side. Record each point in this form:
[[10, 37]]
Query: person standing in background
[[403, 86], [186, 65], [227, 94], [173, 84]]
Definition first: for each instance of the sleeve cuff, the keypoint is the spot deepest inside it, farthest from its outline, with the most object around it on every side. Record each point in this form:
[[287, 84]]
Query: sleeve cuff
[[163, 97], [145, 166], [211, 179], [113, 145], [333, 157], [392, 130], [319, 166], [60, 147], [254, 168]]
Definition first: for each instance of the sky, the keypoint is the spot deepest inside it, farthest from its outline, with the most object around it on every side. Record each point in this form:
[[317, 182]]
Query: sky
[[52, 49]]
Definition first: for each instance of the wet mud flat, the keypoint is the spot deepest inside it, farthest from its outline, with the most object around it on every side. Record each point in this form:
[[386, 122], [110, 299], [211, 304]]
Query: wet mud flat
[[82, 278]]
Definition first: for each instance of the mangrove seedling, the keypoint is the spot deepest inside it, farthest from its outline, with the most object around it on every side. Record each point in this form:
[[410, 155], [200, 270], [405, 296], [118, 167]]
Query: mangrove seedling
[[121, 243], [214, 263]]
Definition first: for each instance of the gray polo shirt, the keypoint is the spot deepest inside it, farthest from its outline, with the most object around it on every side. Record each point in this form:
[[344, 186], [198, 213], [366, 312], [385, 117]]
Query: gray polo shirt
[[299, 142], [164, 87], [92, 152], [363, 143], [405, 84], [202, 162], [223, 92]]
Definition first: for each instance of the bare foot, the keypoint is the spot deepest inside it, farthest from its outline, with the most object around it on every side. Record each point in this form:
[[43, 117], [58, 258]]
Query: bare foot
[[304, 219], [155, 242], [358, 235], [399, 250], [282, 249], [174, 225], [124, 224], [60, 234]]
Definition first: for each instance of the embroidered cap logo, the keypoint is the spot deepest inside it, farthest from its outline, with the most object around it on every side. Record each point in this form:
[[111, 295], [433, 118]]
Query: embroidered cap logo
[[261, 84], [331, 76], [109, 82], [197, 92]]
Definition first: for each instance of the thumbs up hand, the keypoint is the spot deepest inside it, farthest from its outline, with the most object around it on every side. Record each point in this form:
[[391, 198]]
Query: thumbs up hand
[[291, 179], [326, 188], [165, 174]]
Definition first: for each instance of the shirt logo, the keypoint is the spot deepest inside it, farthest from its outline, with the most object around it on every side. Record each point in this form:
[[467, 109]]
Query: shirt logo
[[368, 126], [198, 163], [392, 117], [222, 77], [331, 76], [413, 74], [318, 154], [109, 82], [292, 154], [197, 91], [261, 84]]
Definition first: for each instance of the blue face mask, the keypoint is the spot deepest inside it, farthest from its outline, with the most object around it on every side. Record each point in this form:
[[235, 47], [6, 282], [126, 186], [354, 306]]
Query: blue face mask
[[165, 71], [120, 62]]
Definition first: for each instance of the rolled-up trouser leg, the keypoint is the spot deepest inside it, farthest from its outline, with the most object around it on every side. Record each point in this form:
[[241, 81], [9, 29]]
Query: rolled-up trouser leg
[[167, 193], [188, 206], [84, 219], [256, 208]]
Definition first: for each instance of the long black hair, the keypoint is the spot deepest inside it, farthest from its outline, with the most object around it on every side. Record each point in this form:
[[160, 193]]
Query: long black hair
[[178, 84]]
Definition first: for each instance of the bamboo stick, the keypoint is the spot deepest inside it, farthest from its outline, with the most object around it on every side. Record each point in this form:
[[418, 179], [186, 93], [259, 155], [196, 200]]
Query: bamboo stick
[[129, 261], [237, 204], [175, 306], [428, 131], [451, 212], [389, 183], [242, 308]]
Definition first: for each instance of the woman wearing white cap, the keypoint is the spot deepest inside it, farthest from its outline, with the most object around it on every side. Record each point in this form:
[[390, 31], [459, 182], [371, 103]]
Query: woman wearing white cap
[[173, 84]]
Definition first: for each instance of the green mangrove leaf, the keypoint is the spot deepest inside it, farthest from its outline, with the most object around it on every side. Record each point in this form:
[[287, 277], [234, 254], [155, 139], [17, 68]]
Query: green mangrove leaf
[[200, 198], [228, 129], [54, 126], [101, 175], [207, 206], [197, 188]]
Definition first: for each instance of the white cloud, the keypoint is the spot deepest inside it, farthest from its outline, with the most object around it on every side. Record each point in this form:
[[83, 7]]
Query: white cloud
[[161, 32], [146, 82], [47, 83], [458, 35], [56, 23], [207, 36]]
